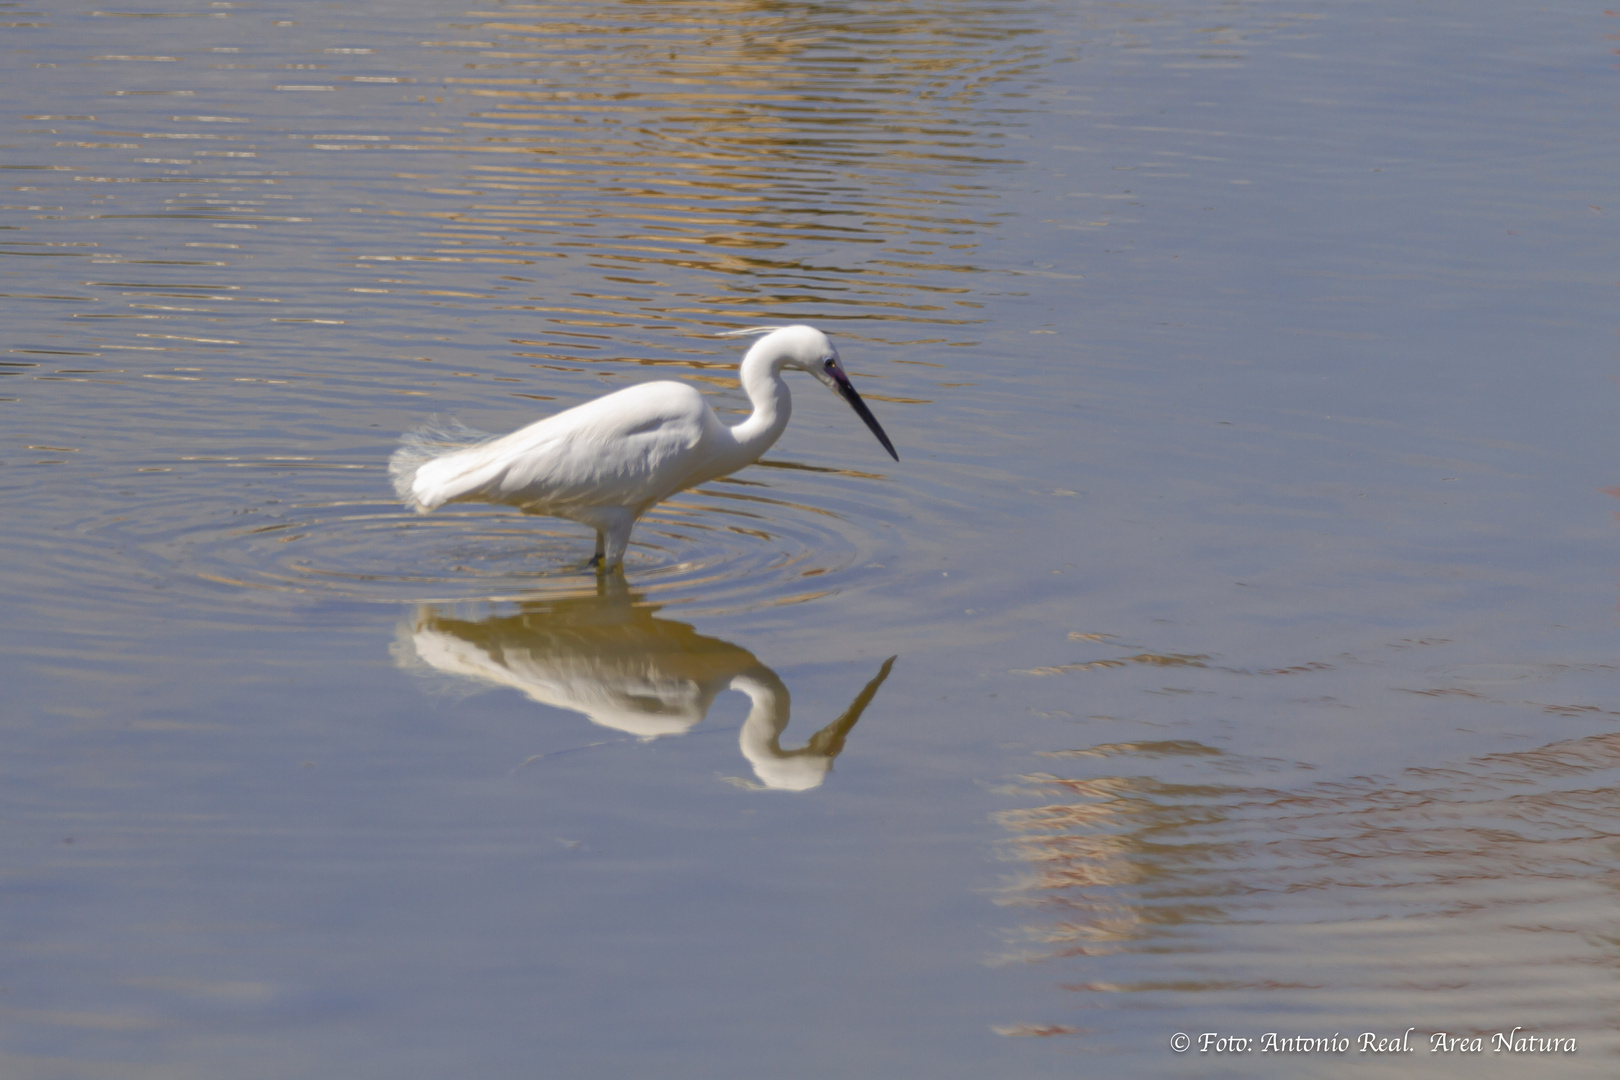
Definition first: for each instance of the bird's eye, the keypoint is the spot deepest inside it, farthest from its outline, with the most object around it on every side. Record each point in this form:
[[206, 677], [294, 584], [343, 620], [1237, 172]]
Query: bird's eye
[[827, 363]]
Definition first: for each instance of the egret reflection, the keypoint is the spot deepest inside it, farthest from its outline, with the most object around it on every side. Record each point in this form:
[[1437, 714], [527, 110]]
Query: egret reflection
[[610, 657]]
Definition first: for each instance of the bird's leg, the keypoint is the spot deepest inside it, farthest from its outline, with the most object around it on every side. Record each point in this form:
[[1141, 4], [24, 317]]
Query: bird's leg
[[618, 538], [612, 525], [613, 535]]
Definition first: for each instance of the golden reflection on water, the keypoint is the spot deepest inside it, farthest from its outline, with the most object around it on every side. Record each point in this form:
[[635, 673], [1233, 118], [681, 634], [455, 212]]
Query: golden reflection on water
[[733, 161], [1491, 879], [726, 161], [610, 658]]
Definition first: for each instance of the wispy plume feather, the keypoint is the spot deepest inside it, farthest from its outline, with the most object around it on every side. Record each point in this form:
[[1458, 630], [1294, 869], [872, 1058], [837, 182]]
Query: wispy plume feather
[[434, 439], [752, 331]]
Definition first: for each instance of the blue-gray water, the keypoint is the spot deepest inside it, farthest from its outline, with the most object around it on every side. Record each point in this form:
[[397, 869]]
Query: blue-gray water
[[1249, 566]]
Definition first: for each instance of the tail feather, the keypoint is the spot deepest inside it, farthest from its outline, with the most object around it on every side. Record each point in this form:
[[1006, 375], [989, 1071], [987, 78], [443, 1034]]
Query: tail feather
[[429, 442]]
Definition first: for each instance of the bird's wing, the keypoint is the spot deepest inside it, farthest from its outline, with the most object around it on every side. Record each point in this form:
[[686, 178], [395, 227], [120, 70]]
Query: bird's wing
[[626, 449]]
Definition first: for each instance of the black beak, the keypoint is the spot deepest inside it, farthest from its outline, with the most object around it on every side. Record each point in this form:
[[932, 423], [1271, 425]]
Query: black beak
[[846, 390]]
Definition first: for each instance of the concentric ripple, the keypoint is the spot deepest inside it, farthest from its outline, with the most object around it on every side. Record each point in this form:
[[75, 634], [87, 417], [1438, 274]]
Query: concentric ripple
[[312, 528]]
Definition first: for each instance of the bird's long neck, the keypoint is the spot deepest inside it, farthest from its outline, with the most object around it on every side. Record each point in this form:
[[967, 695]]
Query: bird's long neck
[[761, 377]]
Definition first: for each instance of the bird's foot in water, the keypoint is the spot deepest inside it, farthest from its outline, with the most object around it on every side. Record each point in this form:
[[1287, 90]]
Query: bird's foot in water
[[603, 569]]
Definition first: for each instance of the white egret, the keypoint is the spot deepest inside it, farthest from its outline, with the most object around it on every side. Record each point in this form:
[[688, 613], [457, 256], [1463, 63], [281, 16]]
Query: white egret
[[606, 462]]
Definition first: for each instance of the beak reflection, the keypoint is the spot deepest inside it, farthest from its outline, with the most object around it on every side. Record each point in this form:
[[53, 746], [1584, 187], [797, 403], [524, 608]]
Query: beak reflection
[[610, 658]]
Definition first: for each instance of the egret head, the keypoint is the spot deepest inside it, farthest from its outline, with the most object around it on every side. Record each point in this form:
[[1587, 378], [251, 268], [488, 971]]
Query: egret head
[[804, 348]]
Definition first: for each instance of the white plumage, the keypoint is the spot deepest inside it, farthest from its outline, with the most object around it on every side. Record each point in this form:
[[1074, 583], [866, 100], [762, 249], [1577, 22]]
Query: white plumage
[[606, 462]]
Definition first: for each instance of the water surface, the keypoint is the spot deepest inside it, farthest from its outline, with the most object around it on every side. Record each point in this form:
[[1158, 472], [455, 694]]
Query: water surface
[[1247, 571]]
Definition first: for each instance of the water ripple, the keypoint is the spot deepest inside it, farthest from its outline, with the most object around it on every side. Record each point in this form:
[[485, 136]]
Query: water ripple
[[736, 544]]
